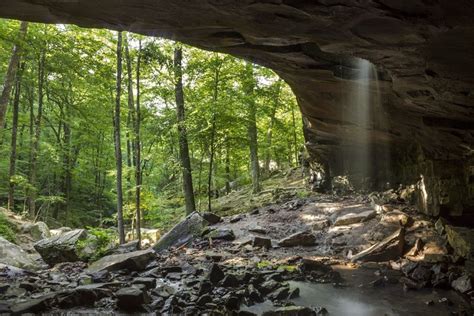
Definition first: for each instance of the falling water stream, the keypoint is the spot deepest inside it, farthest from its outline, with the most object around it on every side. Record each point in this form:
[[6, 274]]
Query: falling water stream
[[365, 118]]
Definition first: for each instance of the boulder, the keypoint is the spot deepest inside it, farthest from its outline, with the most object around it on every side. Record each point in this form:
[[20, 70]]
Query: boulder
[[37, 231], [291, 311], [60, 231], [435, 251], [13, 255], [462, 240], [133, 261], [182, 233], [215, 274], [440, 224], [125, 248], [221, 233], [211, 218], [391, 248], [61, 248], [131, 298], [321, 224], [148, 282], [33, 305], [84, 295], [396, 218], [262, 242], [462, 284], [302, 238], [353, 218]]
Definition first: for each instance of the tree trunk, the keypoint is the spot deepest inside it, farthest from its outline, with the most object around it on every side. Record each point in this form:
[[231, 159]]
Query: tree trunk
[[227, 166], [183, 139], [130, 121], [11, 74], [252, 130], [36, 137], [213, 132], [67, 159], [138, 161], [117, 141], [295, 143], [268, 152], [11, 173]]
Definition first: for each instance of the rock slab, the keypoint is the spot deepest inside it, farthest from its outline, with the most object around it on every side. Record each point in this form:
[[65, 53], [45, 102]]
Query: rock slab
[[182, 233], [13, 255], [61, 248], [133, 261], [391, 248], [303, 238], [462, 240], [353, 218]]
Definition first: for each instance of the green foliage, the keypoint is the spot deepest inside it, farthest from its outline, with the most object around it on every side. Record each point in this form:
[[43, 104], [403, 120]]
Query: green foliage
[[98, 242], [77, 146], [6, 229], [264, 264]]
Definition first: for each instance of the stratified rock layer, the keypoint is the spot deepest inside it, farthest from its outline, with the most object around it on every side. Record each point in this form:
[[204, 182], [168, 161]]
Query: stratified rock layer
[[422, 50]]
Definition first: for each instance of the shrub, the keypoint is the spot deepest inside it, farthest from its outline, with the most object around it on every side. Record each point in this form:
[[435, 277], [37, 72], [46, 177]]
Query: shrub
[[6, 229], [98, 242]]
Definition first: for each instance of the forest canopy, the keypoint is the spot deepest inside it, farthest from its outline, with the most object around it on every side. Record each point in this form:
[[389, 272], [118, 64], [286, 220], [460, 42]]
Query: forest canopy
[[57, 154]]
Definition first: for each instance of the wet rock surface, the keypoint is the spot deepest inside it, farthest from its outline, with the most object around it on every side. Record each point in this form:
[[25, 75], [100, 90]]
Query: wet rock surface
[[246, 275]]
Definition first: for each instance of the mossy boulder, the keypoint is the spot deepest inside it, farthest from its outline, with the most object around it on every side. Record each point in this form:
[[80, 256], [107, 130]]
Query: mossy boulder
[[62, 248]]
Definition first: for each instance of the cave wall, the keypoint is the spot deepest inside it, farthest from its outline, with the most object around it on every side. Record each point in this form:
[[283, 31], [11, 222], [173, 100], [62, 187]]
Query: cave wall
[[423, 51]]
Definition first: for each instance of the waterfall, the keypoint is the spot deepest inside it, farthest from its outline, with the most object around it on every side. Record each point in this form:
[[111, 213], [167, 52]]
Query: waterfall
[[363, 115]]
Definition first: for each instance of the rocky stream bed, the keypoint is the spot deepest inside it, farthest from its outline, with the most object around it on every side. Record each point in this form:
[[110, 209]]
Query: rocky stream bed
[[352, 255]]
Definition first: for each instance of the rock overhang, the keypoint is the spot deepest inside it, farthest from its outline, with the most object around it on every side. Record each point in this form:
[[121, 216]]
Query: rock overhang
[[422, 50]]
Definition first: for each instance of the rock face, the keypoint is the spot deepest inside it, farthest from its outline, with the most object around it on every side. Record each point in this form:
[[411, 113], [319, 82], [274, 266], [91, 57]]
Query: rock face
[[133, 261], [12, 255], [391, 248], [462, 240], [182, 233], [422, 51], [61, 248]]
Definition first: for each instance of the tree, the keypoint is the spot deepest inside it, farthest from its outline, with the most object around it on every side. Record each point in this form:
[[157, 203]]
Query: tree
[[212, 147], [11, 74], [117, 139], [13, 154], [138, 159], [36, 125], [249, 87], [64, 164], [276, 104], [182, 134]]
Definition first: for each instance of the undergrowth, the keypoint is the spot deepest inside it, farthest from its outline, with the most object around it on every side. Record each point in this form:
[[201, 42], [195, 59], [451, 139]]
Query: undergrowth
[[6, 229]]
